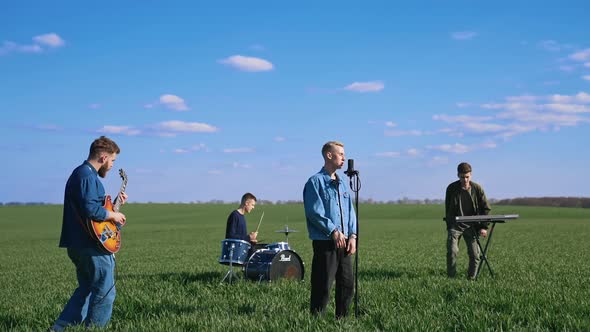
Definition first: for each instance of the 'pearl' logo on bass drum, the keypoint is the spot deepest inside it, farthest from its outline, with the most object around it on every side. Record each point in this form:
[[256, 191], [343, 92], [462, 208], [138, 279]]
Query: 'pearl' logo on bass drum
[[285, 258]]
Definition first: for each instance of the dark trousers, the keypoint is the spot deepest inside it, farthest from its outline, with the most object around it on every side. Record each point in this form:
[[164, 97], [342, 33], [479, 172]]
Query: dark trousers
[[329, 264]]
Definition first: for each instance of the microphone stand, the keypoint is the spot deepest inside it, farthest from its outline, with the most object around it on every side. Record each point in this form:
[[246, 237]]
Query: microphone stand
[[355, 186]]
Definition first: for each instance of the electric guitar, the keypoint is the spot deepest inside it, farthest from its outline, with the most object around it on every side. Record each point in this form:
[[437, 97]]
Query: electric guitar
[[108, 233]]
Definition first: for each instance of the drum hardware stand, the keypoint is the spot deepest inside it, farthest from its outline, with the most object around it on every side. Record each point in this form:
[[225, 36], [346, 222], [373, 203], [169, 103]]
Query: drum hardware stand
[[287, 231], [230, 273], [355, 186]]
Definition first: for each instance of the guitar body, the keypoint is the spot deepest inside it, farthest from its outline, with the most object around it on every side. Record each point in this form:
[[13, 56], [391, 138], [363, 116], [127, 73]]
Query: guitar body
[[106, 233]]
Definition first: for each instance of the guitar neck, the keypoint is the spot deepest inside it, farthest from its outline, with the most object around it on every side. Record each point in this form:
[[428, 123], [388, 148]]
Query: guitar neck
[[117, 203]]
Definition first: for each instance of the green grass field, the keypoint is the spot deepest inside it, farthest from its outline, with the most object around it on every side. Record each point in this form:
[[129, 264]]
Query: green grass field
[[169, 277]]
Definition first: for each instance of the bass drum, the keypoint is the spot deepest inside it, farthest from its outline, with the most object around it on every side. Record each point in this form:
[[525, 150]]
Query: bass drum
[[272, 265]]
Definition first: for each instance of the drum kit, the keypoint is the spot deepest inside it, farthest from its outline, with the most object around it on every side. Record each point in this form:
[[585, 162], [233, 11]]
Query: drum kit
[[267, 262]]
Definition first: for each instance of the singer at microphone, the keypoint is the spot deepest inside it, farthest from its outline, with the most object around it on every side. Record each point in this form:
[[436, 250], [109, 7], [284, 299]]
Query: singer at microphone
[[350, 171], [332, 226]]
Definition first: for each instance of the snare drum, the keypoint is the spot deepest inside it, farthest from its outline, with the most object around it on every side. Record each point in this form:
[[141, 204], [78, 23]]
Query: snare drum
[[278, 246], [274, 264], [234, 251]]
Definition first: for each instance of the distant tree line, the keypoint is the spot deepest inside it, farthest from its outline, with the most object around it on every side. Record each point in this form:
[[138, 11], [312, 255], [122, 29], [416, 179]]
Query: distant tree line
[[573, 202]]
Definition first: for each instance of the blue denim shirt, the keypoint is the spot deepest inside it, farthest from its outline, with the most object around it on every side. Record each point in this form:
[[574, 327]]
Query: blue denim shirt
[[324, 212], [83, 200]]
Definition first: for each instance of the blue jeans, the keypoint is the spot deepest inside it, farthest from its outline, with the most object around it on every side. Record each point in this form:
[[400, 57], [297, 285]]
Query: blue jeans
[[92, 301]]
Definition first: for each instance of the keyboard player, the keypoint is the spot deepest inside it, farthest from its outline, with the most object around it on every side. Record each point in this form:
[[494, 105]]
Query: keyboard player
[[464, 198]]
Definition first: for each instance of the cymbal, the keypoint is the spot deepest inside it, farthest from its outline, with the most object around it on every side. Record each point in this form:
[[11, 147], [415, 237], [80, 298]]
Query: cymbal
[[287, 230]]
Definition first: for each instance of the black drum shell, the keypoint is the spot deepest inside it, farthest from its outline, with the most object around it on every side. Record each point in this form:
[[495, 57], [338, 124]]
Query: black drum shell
[[272, 265]]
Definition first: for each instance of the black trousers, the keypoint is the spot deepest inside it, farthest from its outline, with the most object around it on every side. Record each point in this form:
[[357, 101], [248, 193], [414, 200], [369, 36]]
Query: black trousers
[[329, 264]]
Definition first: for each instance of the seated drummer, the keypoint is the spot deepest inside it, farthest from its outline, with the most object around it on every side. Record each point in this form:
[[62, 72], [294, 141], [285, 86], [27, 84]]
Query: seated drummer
[[236, 222]]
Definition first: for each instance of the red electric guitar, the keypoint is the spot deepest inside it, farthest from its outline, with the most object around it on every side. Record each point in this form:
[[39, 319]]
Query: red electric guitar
[[108, 233]]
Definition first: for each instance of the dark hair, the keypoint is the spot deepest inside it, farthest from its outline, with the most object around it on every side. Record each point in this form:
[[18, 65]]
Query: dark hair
[[246, 197], [463, 168], [103, 144]]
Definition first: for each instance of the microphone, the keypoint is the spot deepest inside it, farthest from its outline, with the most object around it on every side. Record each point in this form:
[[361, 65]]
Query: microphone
[[350, 171]]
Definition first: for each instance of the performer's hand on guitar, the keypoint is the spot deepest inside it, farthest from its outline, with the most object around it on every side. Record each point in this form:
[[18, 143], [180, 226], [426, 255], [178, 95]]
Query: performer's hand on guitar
[[122, 197], [339, 239], [117, 217]]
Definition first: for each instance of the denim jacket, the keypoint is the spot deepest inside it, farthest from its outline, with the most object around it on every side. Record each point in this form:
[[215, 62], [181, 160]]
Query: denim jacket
[[83, 200], [328, 206]]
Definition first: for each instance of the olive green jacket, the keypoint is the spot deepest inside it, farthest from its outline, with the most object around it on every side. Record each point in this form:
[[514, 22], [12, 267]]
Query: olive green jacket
[[453, 207]]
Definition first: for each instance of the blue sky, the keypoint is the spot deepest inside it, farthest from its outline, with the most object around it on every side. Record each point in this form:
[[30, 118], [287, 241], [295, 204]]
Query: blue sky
[[209, 100]]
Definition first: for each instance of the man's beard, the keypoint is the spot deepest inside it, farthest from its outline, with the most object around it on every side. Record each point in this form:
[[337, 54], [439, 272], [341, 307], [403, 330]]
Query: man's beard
[[102, 171]]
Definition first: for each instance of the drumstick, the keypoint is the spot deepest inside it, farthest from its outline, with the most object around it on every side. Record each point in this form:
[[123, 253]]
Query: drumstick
[[262, 216]]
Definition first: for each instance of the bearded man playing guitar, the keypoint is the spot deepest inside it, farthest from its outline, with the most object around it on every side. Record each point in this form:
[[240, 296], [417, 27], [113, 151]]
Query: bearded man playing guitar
[[92, 302]]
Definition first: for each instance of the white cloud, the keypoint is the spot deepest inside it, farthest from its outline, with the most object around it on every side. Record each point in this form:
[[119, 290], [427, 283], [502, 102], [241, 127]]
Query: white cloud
[[580, 97], [173, 102], [10, 47], [460, 118], [196, 147], [456, 148], [451, 132], [487, 145], [586, 77], [522, 99], [413, 152], [175, 126], [567, 68], [583, 97], [371, 86], [482, 128], [236, 164], [239, 150], [388, 154], [246, 63], [148, 106], [463, 35], [553, 46], [533, 120], [279, 139], [119, 130], [567, 108], [390, 124], [49, 39], [549, 45], [397, 133], [180, 151], [557, 98], [583, 55], [462, 104], [459, 148], [587, 64]]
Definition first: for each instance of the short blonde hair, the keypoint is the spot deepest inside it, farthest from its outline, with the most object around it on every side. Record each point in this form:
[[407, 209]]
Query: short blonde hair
[[329, 146]]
